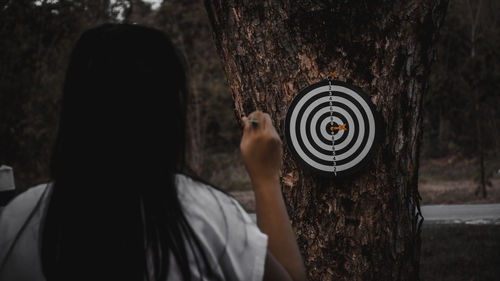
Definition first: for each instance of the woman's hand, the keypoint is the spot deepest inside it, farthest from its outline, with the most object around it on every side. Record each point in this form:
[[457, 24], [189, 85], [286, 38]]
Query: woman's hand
[[261, 148]]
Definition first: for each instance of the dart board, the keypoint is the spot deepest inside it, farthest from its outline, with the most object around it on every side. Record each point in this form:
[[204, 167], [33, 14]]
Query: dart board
[[332, 128]]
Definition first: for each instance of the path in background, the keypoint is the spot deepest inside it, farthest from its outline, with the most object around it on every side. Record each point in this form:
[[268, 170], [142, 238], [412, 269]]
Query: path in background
[[464, 213]]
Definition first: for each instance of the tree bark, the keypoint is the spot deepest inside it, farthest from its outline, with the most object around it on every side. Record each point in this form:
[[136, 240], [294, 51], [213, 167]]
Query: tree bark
[[367, 227]]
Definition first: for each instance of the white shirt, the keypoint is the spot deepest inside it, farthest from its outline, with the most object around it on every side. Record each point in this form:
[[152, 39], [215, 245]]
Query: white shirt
[[234, 245]]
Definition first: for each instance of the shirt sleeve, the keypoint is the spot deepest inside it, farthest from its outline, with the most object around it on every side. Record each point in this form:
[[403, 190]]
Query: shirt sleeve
[[232, 239]]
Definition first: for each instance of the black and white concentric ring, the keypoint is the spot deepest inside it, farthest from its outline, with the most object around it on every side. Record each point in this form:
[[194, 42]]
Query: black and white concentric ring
[[308, 127]]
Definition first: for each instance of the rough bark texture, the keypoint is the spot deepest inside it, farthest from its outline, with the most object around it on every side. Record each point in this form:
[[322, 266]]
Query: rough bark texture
[[365, 228]]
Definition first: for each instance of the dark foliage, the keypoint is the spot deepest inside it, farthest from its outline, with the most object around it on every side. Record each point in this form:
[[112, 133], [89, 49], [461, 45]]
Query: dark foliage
[[449, 110], [36, 37]]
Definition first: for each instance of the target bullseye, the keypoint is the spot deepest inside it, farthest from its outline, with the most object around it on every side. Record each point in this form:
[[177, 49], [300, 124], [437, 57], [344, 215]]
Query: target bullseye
[[332, 128]]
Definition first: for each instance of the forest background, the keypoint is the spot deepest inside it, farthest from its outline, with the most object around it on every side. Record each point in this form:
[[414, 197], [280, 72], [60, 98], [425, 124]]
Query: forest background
[[461, 138]]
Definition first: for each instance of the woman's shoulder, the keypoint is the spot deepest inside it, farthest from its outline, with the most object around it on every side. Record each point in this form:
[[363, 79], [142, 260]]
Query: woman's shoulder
[[20, 208], [202, 198], [196, 189], [17, 213]]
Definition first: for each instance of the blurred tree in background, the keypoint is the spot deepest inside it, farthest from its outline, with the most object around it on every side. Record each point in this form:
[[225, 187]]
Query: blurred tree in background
[[212, 128], [461, 108], [35, 42], [36, 37]]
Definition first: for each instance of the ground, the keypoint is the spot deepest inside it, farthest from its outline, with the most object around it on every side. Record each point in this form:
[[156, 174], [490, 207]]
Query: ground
[[452, 180], [455, 252], [457, 192]]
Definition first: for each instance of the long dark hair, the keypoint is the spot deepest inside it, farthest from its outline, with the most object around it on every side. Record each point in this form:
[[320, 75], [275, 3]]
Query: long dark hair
[[119, 145]]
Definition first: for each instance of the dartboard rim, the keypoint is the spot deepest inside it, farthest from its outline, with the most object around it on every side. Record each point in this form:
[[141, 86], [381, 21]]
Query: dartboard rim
[[365, 161]]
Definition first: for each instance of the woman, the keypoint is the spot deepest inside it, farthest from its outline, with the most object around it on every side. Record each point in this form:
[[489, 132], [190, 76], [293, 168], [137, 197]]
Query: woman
[[117, 208]]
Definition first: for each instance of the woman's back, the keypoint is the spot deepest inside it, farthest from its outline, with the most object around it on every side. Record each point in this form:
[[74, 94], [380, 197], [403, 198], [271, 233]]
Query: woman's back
[[117, 208], [235, 247]]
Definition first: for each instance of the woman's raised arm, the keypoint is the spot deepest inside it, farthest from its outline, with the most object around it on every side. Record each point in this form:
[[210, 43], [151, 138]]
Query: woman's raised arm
[[261, 149]]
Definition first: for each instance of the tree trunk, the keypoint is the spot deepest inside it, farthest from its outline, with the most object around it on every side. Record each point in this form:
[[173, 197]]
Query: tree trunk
[[365, 228]]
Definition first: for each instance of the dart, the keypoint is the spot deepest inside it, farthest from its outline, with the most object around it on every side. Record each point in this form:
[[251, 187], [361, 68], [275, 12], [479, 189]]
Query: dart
[[341, 127]]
